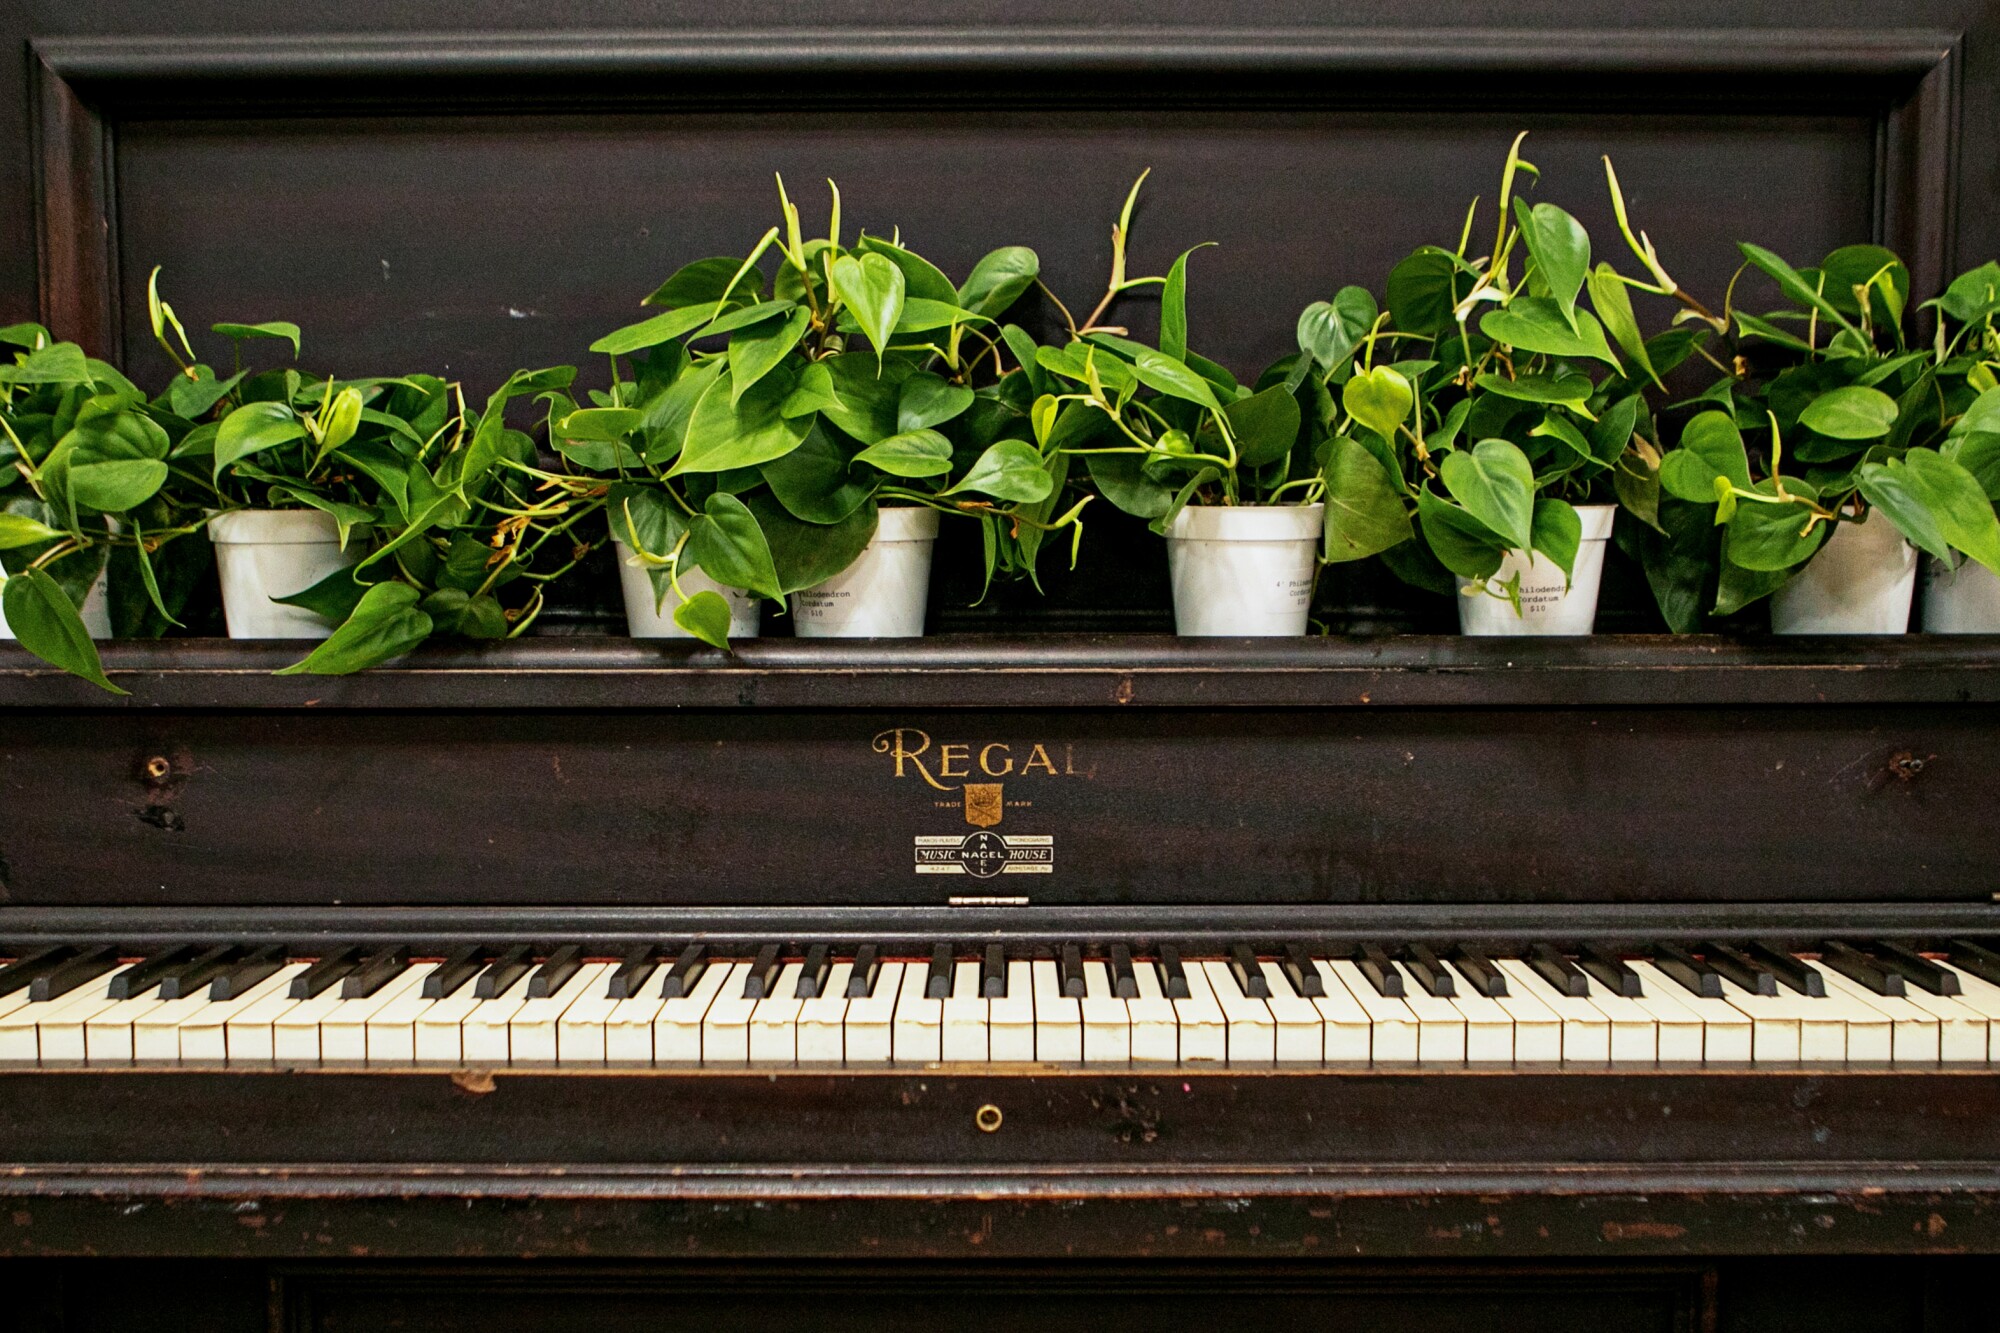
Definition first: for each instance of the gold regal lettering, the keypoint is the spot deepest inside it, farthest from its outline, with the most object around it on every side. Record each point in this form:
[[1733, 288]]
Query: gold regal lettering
[[914, 753], [983, 805]]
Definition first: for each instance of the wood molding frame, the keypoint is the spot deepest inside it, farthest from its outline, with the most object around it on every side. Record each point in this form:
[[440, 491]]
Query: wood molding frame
[[1909, 80]]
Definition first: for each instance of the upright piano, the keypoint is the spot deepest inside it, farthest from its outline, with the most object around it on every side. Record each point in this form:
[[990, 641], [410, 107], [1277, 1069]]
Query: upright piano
[[1626, 982]]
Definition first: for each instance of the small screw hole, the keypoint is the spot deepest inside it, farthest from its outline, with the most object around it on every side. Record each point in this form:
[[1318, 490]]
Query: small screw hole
[[158, 767], [987, 1118]]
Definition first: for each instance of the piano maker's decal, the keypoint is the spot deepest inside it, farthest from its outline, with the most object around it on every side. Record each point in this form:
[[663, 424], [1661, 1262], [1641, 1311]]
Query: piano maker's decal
[[981, 799]]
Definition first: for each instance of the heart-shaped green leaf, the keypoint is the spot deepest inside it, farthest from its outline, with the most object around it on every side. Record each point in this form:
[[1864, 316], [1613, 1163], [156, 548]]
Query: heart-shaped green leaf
[[253, 428], [706, 616], [999, 279], [1936, 503], [1379, 399], [41, 615], [1851, 413], [1010, 470], [1266, 425], [916, 453], [873, 288], [1496, 484], [726, 432], [1557, 533], [1534, 324], [928, 400], [1710, 447], [1172, 378], [278, 329], [756, 352], [1365, 513], [727, 544], [1561, 250], [1771, 537], [385, 623]]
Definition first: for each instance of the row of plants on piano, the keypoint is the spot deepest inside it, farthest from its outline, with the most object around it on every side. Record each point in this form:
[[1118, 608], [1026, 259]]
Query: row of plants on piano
[[793, 423]]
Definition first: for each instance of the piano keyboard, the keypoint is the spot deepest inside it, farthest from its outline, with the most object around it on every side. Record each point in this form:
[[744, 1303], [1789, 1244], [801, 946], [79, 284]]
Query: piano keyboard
[[1848, 1003]]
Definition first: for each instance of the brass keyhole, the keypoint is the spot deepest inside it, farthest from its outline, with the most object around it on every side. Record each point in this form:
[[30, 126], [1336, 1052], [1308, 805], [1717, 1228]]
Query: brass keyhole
[[987, 1118]]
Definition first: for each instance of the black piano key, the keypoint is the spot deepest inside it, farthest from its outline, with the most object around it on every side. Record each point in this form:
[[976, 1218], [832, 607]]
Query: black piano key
[[1980, 961], [993, 973], [1069, 969], [1173, 976], [1381, 973], [867, 967], [459, 966], [1124, 981], [1857, 966], [248, 971], [555, 971], [328, 968], [146, 973], [1741, 968], [685, 974], [1790, 970], [76, 970], [1432, 975], [763, 978], [813, 972], [375, 971], [1250, 978], [1299, 970], [1693, 975], [1915, 968], [503, 972], [1556, 969], [1478, 969], [199, 972], [632, 972], [24, 970], [1611, 971], [937, 985]]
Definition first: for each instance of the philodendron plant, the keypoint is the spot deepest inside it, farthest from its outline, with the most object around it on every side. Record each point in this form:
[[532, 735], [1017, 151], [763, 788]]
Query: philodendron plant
[[1513, 398], [1161, 427], [753, 434], [94, 489], [1859, 419]]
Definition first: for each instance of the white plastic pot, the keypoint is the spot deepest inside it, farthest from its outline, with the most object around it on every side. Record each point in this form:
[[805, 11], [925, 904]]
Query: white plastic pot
[[883, 593], [1550, 604], [266, 553], [1861, 581], [646, 618], [1243, 569], [96, 613], [1965, 600]]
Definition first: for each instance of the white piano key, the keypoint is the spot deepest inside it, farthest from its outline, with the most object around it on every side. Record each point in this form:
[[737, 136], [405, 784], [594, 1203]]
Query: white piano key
[[1726, 1032], [919, 1023], [1299, 1034], [156, 1034], [1489, 1031], [1393, 1028], [1586, 1031], [1204, 1031], [1788, 1027], [965, 1015], [1635, 1033], [1346, 1033], [1440, 1025], [1155, 1030], [1010, 1019], [870, 1030], [1983, 998], [774, 1023], [1912, 1033], [107, 1034], [251, 1036], [1107, 1022], [628, 1025], [1681, 1035], [205, 1034], [343, 1033], [483, 1036], [534, 1032], [823, 1020], [51, 1031], [1538, 1029], [1962, 1029], [677, 1026], [1058, 1017], [725, 1028], [391, 1031], [440, 1028], [1253, 1036]]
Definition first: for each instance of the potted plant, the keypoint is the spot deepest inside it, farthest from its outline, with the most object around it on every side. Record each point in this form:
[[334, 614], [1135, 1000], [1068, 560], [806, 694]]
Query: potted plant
[[1827, 477], [92, 540], [1962, 596], [1221, 470], [802, 442], [1488, 462]]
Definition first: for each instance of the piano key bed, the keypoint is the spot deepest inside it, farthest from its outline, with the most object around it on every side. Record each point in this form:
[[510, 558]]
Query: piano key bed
[[1863, 1003]]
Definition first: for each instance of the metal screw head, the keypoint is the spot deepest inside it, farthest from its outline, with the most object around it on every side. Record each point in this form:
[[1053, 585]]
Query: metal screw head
[[988, 1118]]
